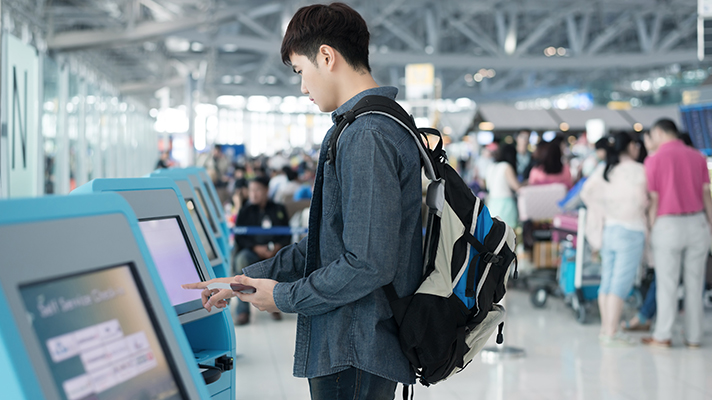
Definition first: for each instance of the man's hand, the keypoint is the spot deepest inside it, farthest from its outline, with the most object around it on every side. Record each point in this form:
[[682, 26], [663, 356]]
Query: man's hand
[[262, 298], [212, 298]]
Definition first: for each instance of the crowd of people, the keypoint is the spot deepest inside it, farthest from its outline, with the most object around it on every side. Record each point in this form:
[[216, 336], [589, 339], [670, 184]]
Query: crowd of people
[[652, 194], [263, 192]]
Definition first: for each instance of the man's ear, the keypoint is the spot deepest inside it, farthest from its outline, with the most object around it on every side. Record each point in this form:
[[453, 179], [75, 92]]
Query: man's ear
[[327, 56]]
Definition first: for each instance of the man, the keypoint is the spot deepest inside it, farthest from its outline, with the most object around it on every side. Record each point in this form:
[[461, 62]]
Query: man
[[524, 156], [680, 212], [365, 228], [263, 212], [217, 165]]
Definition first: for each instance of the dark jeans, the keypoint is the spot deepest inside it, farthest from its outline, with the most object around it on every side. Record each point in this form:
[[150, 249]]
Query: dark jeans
[[352, 384], [243, 259], [647, 310]]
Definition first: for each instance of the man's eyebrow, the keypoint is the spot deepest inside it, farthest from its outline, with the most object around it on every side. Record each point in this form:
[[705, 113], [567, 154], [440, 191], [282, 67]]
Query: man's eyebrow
[[294, 68]]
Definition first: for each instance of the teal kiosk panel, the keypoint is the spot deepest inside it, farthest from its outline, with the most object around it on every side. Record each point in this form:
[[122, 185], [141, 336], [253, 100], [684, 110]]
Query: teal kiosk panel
[[202, 174], [175, 245], [193, 189], [205, 201], [83, 317]]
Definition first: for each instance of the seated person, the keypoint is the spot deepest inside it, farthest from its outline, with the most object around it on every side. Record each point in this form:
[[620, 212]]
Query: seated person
[[262, 212]]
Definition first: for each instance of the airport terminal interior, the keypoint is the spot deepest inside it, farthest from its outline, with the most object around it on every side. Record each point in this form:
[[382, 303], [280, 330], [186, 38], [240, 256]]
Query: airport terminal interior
[[146, 145]]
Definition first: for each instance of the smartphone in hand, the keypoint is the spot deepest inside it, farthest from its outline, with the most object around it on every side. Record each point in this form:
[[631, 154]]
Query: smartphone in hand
[[238, 287]]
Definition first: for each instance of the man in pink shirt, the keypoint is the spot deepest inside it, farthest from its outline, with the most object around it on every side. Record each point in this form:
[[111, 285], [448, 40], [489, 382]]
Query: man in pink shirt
[[680, 214]]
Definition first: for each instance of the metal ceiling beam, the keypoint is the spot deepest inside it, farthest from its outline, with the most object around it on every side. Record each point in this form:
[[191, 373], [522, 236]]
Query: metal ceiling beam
[[84, 39], [403, 34], [455, 61], [616, 28], [686, 27], [478, 38], [542, 29]]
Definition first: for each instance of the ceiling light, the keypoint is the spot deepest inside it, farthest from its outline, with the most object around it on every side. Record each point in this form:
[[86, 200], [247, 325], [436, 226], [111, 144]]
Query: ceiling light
[[486, 126]]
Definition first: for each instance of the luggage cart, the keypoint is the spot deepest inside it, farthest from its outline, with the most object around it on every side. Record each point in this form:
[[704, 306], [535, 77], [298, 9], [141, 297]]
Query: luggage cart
[[579, 274]]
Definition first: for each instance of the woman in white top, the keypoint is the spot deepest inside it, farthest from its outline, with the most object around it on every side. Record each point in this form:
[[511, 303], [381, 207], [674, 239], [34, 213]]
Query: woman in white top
[[501, 184], [619, 193]]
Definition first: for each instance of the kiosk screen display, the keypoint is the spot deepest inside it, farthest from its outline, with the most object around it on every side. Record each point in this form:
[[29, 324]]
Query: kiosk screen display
[[99, 338], [201, 230], [174, 261], [206, 211]]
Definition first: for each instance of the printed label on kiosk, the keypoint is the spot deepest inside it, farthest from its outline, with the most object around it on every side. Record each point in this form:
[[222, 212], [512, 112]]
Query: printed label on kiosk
[[99, 338]]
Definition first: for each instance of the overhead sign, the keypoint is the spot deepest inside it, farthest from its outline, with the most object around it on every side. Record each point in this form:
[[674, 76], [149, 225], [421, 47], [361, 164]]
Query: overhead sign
[[704, 8], [419, 81]]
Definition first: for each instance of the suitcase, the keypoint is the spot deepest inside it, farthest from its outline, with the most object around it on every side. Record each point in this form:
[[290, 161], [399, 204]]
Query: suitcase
[[540, 202]]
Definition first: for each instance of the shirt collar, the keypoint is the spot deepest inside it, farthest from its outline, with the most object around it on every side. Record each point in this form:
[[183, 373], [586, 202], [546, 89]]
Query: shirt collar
[[386, 91], [676, 142]]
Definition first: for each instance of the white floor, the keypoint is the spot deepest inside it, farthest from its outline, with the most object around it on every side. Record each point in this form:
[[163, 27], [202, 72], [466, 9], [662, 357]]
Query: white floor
[[563, 361]]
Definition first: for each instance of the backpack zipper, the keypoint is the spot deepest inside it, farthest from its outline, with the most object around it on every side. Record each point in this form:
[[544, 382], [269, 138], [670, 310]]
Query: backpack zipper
[[487, 269]]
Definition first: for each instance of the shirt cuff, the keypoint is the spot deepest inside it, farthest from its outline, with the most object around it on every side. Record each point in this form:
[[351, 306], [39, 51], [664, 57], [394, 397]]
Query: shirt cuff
[[256, 271], [280, 294]]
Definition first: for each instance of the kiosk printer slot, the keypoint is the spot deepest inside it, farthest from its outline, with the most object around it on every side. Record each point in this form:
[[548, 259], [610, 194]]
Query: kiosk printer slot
[[83, 315], [170, 234], [203, 201]]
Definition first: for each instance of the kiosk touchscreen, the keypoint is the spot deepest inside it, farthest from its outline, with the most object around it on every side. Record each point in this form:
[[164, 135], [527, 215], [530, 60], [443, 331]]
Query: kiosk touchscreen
[[220, 259], [171, 236], [83, 317]]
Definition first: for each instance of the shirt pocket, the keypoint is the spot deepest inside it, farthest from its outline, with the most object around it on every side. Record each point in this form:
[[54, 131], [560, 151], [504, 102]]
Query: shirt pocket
[[331, 194]]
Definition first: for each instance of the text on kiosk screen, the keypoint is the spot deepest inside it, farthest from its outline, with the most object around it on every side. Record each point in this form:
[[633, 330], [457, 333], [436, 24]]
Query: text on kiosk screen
[[98, 339]]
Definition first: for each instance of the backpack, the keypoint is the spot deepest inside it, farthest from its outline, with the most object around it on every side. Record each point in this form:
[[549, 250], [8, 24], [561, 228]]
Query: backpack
[[467, 256]]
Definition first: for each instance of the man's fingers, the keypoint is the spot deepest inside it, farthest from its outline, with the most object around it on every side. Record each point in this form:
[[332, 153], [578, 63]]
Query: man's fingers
[[197, 285], [245, 280]]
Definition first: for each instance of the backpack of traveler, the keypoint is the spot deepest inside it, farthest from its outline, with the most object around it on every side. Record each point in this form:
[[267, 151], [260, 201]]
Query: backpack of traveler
[[467, 257]]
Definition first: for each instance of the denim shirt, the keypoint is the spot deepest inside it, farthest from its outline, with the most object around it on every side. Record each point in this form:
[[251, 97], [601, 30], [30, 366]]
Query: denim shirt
[[370, 235]]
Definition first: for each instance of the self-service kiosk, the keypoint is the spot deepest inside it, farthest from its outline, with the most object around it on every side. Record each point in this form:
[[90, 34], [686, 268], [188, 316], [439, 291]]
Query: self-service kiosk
[[84, 315], [194, 190], [167, 222], [202, 175]]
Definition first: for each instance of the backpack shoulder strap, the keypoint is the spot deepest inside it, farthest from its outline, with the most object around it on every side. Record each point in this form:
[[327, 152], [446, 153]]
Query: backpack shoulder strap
[[385, 106]]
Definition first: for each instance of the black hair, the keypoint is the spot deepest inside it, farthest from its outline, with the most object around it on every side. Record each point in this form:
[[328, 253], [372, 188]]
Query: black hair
[[667, 126], [507, 153], [290, 173], [549, 157], [620, 144], [643, 152], [240, 183], [685, 137], [336, 25], [602, 144], [262, 180]]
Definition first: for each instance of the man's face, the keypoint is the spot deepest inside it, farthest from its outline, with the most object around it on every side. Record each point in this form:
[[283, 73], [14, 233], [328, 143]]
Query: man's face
[[650, 144], [600, 154], [522, 141], [257, 193], [656, 136], [315, 83]]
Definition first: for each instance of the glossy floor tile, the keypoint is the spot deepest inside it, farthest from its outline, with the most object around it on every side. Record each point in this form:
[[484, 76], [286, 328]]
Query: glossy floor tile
[[563, 361]]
